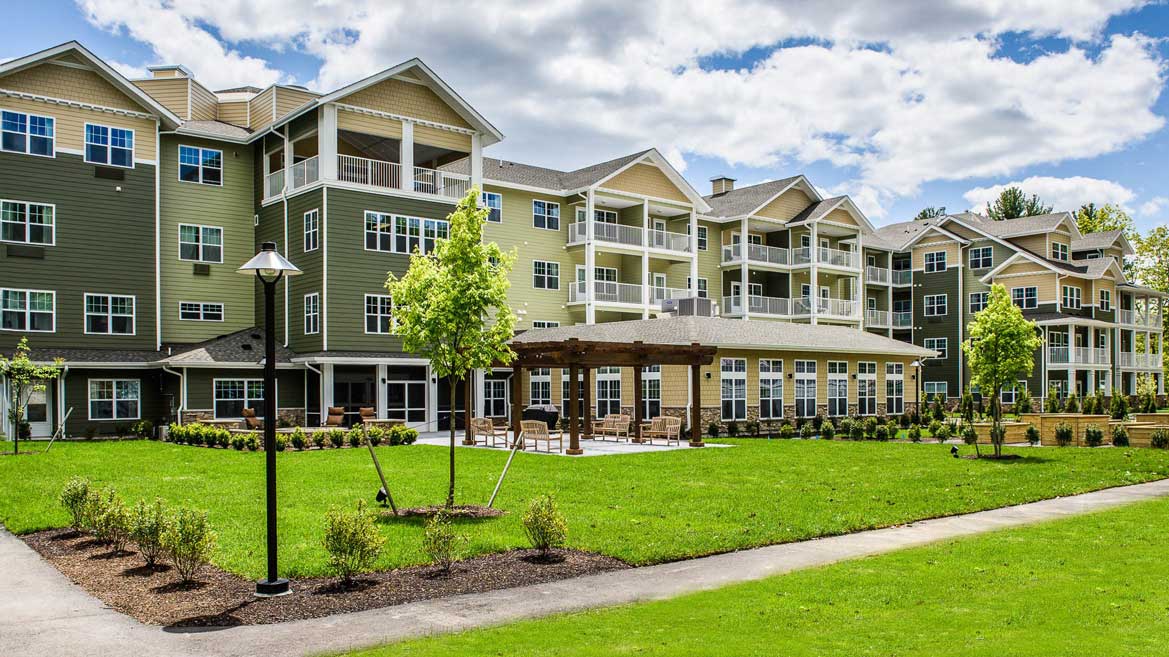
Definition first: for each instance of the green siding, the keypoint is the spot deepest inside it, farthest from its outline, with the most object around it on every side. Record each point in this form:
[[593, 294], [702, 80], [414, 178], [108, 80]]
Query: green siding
[[201, 386], [939, 327], [154, 405], [228, 206], [104, 244]]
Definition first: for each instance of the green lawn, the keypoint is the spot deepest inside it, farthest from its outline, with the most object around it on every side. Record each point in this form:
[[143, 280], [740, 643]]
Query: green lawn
[[1087, 586], [643, 508]]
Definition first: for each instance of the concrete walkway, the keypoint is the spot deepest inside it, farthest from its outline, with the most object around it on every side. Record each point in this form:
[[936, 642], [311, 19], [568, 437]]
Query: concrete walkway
[[43, 614]]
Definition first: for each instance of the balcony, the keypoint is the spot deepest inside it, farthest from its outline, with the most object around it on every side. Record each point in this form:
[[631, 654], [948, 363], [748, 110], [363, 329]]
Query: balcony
[[838, 258], [629, 236], [756, 254], [756, 305], [274, 184], [801, 256], [388, 175], [877, 318], [828, 308], [902, 277], [441, 183], [1140, 360], [660, 294], [876, 275], [1077, 356], [902, 319], [605, 292], [305, 172], [1139, 318]]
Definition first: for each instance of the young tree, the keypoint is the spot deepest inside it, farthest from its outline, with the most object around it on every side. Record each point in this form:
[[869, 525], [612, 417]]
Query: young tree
[[1000, 351], [1091, 218], [1012, 203], [930, 212], [24, 377], [451, 305]]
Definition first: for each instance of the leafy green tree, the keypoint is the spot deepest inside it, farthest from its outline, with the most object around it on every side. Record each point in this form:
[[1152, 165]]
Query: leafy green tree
[[1151, 268], [930, 212], [1000, 351], [1012, 203], [24, 377], [451, 305], [1091, 218]]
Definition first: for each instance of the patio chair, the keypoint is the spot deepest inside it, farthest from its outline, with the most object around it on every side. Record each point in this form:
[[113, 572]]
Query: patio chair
[[663, 427], [367, 413], [536, 431], [251, 422], [483, 427], [336, 417], [615, 425]]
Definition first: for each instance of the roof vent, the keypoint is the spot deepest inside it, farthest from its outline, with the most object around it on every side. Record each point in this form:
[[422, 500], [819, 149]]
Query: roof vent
[[721, 184], [256, 336], [246, 347]]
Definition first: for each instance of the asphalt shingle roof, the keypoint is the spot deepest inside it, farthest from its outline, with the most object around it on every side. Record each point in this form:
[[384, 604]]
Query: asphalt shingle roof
[[738, 202], [245, 346], [1101, 240], [215, 129], [552, 179], [94, 356]]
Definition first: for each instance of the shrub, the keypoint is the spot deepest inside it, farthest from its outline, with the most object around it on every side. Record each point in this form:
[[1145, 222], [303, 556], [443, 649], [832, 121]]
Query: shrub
[[355, 437], [401, 434], [1022, 401], [1092, 405], [808, 430], [1071, 404], [732, 428], [143, 429], [189, 541], [712, 429], [935, 426], [545, 524], [1051, 403], [1119, 407], [376, 435], [238, 442], [148, 522], [319, 439], [281, 442], [1093, 436], [73, 497], [172, 431], [93, 508], [870, 427], [337, 437], [1119, 436], [903, 421], [786, 431], [881, 433], [1032, 434], [817, 422], [1160, 438], [352, 540], [195, 435], [751, 428], [113, 522], [441, 542], [913, 433], [845, 426], [939, 408], [827, 430], [297, 439], [223, 437], [252, 442], [969, 434], [1063, 434], [943, 432], [893, 429], [856, 431]]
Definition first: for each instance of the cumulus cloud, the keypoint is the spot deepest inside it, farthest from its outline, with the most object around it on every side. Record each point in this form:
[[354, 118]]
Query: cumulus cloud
[[1153, 206], [897, 94], [1060, 193]]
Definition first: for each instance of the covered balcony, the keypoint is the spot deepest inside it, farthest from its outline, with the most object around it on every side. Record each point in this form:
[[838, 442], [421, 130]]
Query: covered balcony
[[756, 305], [376, 161], [633, 226], [877, 318], [606, 292], [757, 254], [902, 319], [1138, 360], [1078, 356]]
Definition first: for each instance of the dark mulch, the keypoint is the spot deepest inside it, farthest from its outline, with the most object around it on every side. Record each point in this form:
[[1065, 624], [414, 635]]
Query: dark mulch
[[457, 511], [220, 599]]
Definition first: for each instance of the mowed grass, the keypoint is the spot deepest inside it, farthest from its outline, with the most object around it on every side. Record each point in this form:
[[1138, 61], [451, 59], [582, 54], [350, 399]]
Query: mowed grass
[[643, 508], [1086, 586]]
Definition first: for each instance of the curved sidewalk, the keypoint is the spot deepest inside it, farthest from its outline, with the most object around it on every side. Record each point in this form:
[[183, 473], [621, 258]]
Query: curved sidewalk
[[44, 614]]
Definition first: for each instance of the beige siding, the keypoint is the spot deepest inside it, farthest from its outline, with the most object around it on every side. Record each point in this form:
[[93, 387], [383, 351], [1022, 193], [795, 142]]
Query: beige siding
[[170, 92], [786, 205], [289, 98], [1044, 282], [647, 180], [369, 124], [1034, 243], [261, 108], [203, 103], [71, 84], [70, 125], [1025, 267], [443, 138], [962, 231], [406, 99], [842, 216], [235, 113], [953, 253]]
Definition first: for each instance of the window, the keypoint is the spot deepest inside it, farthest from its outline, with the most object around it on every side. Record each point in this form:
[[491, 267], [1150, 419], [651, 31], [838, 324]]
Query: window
[[981, 257], [379, 315], [115, 399], [935, 389], [494, 397], [935, 305], [494, 204], [312, 313], [1059, 251], [540, 323], [200, 243], [232, 396], [312, 230], [940, 345], [703, 237], [541, 387], [27, 223], [866, 388], [894, 388], [106, 314], [200, 165], [1105, 300], [604, 216], [837, 388], [703, 290], [201, 312], [734, 388], [651, 391], [805, 388], [398, 234], [770, 389], [608, 391], [545, 275], [978, 301], [1011, 393], [546, 214], [1025, 297], [1071, 297], [106, 145], [406, 400], [28, 310], [935, 261], [27, 133]]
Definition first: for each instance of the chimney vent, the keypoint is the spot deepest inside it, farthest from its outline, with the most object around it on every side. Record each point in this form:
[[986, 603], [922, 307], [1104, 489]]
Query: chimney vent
[[721, 184]]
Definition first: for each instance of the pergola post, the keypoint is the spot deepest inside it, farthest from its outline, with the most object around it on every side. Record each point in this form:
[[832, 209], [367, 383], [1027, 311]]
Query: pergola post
[[637, 401], [696, 406], [574, 411], [517, 397], [468, 408], [588, 401]]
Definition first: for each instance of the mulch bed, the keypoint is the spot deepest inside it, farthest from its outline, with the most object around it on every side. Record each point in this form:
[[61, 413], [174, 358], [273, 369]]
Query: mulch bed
[[456, 511], [218, 599]]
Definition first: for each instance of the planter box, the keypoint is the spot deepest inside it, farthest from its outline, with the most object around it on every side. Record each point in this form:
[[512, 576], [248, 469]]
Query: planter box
[[1152, 418], [1140, 434], [1047, 422], [1016, 432]]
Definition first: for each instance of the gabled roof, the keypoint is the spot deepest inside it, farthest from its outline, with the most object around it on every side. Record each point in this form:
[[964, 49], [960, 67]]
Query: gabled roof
[[1036, 224], [820, 209], [244, 347], [653, 157], [747, 200], [168, 118], [896, 237], [1089, 268], [1104, 240]]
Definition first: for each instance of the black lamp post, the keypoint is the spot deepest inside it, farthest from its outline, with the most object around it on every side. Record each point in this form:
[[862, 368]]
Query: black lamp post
[[269, 266]]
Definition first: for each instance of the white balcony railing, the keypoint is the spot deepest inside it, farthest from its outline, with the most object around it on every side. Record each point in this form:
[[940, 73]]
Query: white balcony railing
[[364, 171], [441, 183], [1139, 359], [838, 308], [837, 258], [305, 172], [605, 232], [1077, 356], [274, 184], [757, 305], [878, 275], [660, 294], [801, 256], [605, 292], [1139, 318], [902, 277], [757, 253], [662, 239], [878, 318], [902, 319]]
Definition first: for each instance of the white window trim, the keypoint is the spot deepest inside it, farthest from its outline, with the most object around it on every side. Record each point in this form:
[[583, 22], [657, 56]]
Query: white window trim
[[540, 376], [974, 295], [546, 323], [109, 147], [214, 382], [109, 314], [944, 348], [981, 249], [547, 204], [53, 232], [867, 376], [1105, 300], [315, 231], [1065, 298], [945, 391], [202, 243], [28, 311], [202, 311], [179, 168], [365, 314], [771, 375], [1025, 299], [546, 275], [28, 136], [316, 296], [735, 376], [1060, 251], [393, 232], [113, 400], [926, 264], [835, 376], [925, 304], [483, 204]]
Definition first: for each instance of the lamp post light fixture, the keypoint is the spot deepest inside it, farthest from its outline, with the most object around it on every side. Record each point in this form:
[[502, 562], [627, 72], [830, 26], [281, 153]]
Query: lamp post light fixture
[[269, 267]]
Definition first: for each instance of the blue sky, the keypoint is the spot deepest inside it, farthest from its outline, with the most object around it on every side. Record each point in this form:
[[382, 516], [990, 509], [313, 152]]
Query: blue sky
[[926, 107]]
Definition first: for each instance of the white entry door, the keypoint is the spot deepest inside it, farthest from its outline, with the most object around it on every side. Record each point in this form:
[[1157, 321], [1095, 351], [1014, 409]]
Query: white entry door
[[39, 412]]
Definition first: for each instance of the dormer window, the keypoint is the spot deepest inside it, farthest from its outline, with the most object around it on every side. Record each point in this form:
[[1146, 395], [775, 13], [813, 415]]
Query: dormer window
[[1059, 251]]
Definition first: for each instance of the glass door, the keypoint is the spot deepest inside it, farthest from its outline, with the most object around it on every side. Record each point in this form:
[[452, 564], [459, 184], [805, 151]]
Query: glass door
[[39, 412]]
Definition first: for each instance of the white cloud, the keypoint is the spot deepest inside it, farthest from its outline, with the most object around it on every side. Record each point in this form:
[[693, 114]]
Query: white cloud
[[1153, 206], [1060, 193], [899, 94]]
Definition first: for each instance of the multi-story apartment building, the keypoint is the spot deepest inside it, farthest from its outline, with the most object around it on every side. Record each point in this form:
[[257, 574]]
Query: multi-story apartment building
[[128, 205]]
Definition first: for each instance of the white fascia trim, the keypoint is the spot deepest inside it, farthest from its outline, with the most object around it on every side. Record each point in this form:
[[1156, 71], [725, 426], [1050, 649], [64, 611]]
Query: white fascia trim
[[188, 132], [526, 188], [655, 158], [941, 231], [920, 353], [645, 197], [360, 360], [400, 117], [76, 103], [1002, 242], [228, 366]]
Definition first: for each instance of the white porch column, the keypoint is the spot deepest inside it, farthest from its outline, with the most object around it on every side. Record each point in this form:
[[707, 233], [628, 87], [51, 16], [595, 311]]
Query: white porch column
[[406, 155], [326, 389], [327, 142], [477, 161], [694, 254], [590, 260], [288, 161], [1161, 353], [380, 391], [859, 290], [813, 278], [744, 278], [646, 300]]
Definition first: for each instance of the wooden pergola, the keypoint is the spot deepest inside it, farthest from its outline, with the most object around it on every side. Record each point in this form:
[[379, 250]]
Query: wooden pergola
[[580, 357]]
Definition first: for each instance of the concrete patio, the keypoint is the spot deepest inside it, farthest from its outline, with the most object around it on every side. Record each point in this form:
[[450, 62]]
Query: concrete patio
[[591, 447]]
